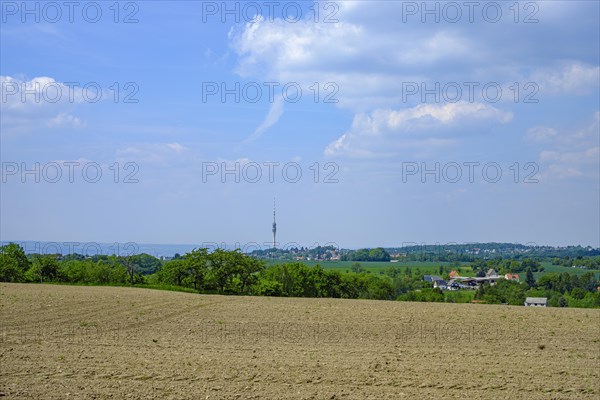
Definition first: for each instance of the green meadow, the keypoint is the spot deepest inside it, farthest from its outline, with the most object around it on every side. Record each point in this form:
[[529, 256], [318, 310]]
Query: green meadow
[[426, 267]]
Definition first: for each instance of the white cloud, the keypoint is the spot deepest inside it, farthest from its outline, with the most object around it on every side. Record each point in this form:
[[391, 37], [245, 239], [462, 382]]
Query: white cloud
[[275, 112], [41, 91], [370, 53], [379, 132], [37, 104], [584, 137], [63, 120], [160, 154], [281, 46], [541, 133], [574, 154], [176, 147], [365, 63], [574, 77], [564, 165]]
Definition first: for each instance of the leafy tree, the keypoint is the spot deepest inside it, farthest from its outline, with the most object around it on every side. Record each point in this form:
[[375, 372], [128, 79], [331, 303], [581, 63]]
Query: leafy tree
[[424, 295], [249, 268], [588, 282], [145, 263], [481, 291], [529, 278], [224, 265], [504, 291], [578, 293], [354, 286], [13, 263], [268, 288], [100, 272], [173, 272], [530, 263], [377, 254], [47, 266], [562, 302], [76, 271], [131, 269], [356, 268], [380, 289], [195, 266], [332, 284]]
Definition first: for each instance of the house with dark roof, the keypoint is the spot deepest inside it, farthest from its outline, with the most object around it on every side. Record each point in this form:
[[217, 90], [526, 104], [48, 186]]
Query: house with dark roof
[[454, 285], [441, 284], [470, 282]]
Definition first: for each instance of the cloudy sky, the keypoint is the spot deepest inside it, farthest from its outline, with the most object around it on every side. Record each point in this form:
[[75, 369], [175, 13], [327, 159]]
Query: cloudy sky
[[371, 123]]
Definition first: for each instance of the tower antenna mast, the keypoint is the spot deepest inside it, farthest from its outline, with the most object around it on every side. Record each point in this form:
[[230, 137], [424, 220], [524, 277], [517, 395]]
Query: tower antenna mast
[[274, 225]]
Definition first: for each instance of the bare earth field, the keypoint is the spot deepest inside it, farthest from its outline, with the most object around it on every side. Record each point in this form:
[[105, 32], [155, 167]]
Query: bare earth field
[[66, 342]]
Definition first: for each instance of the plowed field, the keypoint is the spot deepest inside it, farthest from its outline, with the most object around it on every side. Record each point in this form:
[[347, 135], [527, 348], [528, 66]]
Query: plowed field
[[68, 342]]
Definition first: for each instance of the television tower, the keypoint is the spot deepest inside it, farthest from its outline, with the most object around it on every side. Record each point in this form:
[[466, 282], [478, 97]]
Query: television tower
[[274, 224]]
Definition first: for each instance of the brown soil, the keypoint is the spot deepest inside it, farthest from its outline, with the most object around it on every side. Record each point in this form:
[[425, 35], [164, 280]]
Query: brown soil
[[65, 342]]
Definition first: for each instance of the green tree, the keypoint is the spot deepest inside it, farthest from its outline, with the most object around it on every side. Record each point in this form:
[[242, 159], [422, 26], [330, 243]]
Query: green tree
[[481, 291], [47, 266], [578, 293], [131, 268], [146, 264], [249, 269], [531, 263], [529, 278], [356, 267], [13, 263], [268, 288], [378, 254], [75, 271], [380, 289], [173, 272], [333, 284], [224, 265], [196, 266], [562, 302]]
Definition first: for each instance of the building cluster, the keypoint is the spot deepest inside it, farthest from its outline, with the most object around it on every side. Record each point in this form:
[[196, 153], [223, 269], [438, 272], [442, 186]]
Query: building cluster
[[325, 255], [457, 282]]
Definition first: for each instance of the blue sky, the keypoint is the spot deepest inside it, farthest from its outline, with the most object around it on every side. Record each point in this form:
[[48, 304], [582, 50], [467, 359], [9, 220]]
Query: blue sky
[[386, 108]]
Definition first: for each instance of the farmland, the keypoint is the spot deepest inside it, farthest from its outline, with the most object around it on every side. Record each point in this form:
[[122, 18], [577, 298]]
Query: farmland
[[428, 267], [61, 342]]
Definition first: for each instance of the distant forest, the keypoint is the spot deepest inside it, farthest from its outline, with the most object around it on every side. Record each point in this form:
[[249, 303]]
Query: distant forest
[[436, 253], [473, 251]]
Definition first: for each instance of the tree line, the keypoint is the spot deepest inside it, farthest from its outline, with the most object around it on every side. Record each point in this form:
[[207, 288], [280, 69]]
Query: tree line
[[232, 272], [474, 251], [376, 254]]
